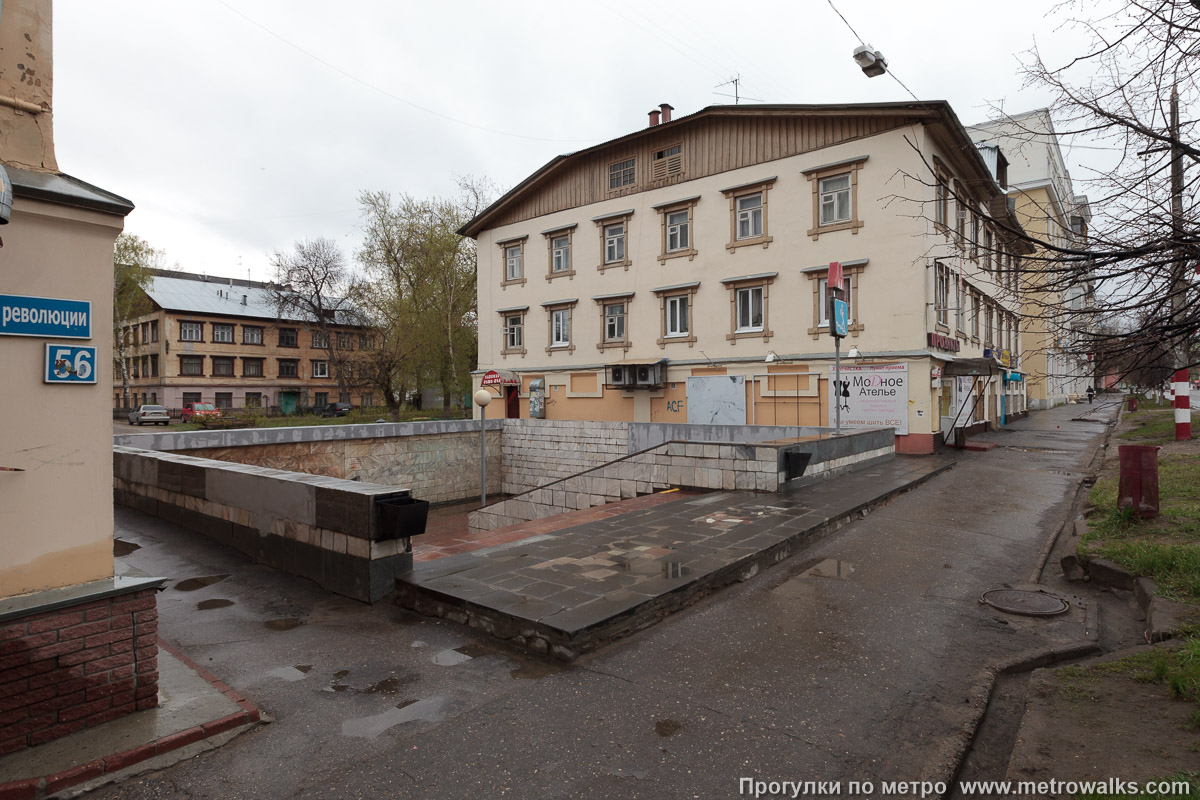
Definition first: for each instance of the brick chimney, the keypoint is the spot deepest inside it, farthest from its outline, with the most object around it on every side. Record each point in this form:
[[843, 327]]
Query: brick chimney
[[667, 108], [26, 134], [654, 117]]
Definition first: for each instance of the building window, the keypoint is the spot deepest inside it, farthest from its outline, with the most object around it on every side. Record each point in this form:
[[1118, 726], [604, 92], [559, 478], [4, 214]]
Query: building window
[[558, 251], [560, 328], [835, 196], [345, 341], [320, 340], [987, 325], [145, 332], [252, 367], [512, 252], [835, 199], [154, 365], [987, 249], [252, 334], [941, 194], [748, 214], [614, 322], [320, 399], [366, 342], [667, 162], [253, 400], [847, 295], [191, 397], [368, 400], [223, 400], [191, 331], [678, 225], [614, 243], [289, 337], [941, 294], [154, 330], [320, 369], [678, 319], [191, 365], [289, 368], [222, 366], [750, 309], [222, 333], [960, 304], [960, 219], [975, 303], [514, 332], [974, 235], [622, 173]]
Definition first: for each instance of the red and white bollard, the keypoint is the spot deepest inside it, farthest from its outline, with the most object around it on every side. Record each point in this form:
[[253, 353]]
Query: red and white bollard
[[1183, 406]]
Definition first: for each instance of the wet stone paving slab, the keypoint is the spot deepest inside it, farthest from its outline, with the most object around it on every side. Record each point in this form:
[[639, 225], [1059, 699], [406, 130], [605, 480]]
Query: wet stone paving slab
[[569, 590]]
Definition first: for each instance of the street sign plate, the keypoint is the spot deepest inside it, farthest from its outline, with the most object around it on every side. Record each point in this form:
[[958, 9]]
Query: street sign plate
[[841, 318], [49, 317], [69, 363]]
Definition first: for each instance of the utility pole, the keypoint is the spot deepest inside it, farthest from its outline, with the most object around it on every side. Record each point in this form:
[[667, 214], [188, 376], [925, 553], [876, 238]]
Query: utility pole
[[1178, 287]]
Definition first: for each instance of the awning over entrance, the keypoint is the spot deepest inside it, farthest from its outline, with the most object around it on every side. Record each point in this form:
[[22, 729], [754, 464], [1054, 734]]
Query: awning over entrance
[[969, 366], [500, 377]]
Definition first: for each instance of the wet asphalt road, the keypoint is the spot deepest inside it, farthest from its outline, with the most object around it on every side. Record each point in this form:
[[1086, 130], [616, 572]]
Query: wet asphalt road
[[787, 677]]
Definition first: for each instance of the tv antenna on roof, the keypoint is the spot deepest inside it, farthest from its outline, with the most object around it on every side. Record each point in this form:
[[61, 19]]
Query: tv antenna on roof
[[737, 95]]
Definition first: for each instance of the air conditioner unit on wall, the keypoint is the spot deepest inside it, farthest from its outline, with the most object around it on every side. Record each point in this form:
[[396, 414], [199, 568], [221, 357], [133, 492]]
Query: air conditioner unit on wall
[[648, 375], [619, 376]]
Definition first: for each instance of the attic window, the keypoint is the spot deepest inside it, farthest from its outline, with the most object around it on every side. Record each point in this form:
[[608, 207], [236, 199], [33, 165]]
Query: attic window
[[622, 173], [667, 162]]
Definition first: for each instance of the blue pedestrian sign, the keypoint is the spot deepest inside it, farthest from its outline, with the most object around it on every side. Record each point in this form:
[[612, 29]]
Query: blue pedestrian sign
[[69, 363], [841, 318], [50, 317]]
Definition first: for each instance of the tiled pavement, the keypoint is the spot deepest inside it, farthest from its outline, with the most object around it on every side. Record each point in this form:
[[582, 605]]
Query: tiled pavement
[[568, 591], [446, 534]]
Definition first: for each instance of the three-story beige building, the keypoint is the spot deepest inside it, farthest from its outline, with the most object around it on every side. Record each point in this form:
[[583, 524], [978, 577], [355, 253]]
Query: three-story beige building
[[678, 274], [220, 341]]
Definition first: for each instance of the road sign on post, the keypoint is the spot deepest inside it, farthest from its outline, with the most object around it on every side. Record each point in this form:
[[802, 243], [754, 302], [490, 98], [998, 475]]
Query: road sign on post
[[841, 318]]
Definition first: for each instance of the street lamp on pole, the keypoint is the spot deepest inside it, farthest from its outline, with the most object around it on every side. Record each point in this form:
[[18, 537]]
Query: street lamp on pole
[[482, 398]]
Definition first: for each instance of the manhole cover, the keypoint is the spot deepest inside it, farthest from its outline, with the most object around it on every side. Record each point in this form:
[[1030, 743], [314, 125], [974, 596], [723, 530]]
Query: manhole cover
[[1022, 601]]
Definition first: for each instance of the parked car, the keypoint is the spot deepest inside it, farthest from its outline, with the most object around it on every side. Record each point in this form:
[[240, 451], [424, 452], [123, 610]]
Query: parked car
[[152, 414], [336, 410], [193, 410]]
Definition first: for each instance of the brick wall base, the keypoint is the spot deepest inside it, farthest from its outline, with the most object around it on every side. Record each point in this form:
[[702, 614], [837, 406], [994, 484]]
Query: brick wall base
[[76, 667], [915, 444]]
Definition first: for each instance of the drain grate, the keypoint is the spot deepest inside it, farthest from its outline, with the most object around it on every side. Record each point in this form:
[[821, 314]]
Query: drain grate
[[1022, 601]]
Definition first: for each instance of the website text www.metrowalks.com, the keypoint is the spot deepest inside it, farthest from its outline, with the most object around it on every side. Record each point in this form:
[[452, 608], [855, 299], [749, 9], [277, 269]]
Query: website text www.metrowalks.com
[[1113, 787]]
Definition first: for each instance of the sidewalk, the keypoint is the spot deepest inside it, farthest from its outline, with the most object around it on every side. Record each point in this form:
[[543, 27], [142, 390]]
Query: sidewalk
[[872, 666]]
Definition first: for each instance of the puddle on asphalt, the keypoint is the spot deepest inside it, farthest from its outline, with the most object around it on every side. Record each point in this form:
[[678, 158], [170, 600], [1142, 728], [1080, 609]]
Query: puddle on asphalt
[[192, 584], [335, 685], [667, 727], [124, 548], [430, 709], [526, 669], [385, 686], [449, 658], [305, 668], [289, 674], [829, 568], [206, 605], [283, 623], [389, 685]]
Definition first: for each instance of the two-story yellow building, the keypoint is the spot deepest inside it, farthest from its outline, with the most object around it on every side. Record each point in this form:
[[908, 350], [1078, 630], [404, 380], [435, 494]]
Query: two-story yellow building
[[678, 274]]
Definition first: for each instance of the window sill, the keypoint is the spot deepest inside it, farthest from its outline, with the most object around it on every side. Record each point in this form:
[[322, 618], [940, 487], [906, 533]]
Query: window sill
[[764, 241], [624, 345], [560, 348], [514, 282], [677, 339], [851, 225], [690, 254], [566, 273], [626, 264]]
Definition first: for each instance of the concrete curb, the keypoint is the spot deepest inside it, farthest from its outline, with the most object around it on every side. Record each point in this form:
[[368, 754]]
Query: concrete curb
[[181, 745], [945, 765]]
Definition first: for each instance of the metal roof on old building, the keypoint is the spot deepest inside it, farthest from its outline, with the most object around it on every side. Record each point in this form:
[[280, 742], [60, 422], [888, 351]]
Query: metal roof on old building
[[219, 296]]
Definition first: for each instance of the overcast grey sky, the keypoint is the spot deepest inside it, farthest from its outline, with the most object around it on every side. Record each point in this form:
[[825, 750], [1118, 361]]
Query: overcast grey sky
[[238, 127]]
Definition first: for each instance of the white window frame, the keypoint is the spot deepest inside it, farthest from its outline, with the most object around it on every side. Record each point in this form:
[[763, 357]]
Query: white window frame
[[560, 327], [745, 302], [678, 231], [614, 243], [823, 299], [615, 322], [220, 331], [831, 198], [514, 335], [750, 217], [674, 305], [252, 334], [560, 254], [941, 294], [514, 262], [320, 369], [191, 331]]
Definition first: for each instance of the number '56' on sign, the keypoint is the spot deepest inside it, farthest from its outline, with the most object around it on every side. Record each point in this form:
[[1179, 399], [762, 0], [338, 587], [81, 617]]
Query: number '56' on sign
[[66, 363]]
